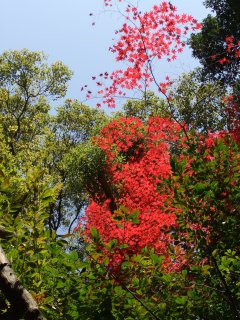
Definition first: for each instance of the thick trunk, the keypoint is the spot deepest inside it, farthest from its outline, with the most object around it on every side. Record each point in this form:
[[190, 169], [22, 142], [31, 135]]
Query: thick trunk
[[22, 304]]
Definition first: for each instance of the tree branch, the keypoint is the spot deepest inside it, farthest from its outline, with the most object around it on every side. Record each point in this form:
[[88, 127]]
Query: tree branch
[[231, 299]]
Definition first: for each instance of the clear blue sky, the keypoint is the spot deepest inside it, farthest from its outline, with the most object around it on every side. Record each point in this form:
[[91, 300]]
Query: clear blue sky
[[63, 30]]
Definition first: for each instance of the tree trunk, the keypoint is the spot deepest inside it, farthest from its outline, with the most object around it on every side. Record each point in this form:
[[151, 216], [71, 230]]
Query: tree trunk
[[22, 304]]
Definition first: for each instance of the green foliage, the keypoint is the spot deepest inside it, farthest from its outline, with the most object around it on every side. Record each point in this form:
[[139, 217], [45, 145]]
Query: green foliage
[[36, 139], [141, 288], [150, 105], [199, 105], [206, 187], [72, 159], [26, 81], [26, 74], [39, 258]]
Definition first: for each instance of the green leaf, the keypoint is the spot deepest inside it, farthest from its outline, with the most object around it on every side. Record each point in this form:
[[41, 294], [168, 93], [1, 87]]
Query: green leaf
[[95, 234]]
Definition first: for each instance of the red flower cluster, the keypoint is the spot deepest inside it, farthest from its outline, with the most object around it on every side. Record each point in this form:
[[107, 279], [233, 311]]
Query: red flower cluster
[[138, 161]]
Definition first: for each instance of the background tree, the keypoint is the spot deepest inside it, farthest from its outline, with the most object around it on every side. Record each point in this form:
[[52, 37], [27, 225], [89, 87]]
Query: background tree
[[210, 44], [72, 128], [42, 262], [196, 104], [26, 81], [199, 105], [33, 147]]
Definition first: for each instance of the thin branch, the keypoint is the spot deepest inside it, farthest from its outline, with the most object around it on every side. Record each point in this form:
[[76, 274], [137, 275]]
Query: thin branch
[[231, 299]]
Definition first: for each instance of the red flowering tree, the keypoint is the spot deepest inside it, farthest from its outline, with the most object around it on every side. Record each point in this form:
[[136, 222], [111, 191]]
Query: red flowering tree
[[136, 214], [143, 38]]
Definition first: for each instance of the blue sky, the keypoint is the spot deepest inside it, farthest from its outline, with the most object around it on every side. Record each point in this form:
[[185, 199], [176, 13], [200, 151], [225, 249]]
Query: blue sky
[[63, 30]]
